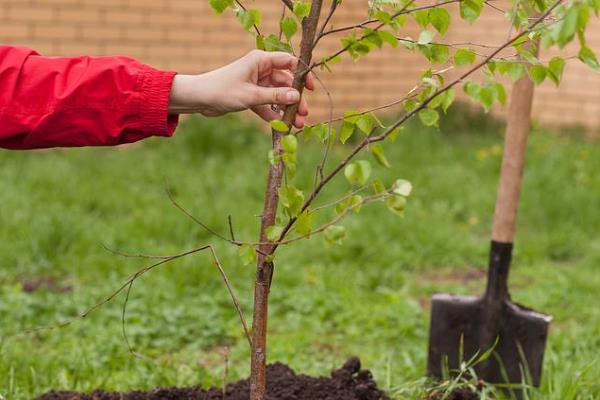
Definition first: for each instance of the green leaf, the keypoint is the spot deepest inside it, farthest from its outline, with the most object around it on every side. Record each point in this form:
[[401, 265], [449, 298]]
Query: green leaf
[[289, 143], [556, 67], [335, 234], [249, 18], [346, 131], [358, 172], [219, 6], [272, 43], [365, 124], [396, 204], [394, 133], [464, 57], [422, 18], [439, 53], [279, 126], [449, 97], [425, 37], [410, 105], [487, 96], [565, 29], [273, 232], [440, 19], [355, 202], [515, 70], [470, 10], [352, 116], [402, 187], [383, 17], [537, 74], [322, 132], [388, 38], [260, 42], [288, 26], [378, 186], [247, 254], [308, 132], [301, 9], [304, 222], [500, 92], [291, 199], [429, 117], [588, 57], [527, 55], [371, 36], [379, 155]]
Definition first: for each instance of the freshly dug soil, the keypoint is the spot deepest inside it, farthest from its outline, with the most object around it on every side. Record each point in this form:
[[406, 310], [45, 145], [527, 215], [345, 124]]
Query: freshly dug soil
[[346, 383], [457, 394]]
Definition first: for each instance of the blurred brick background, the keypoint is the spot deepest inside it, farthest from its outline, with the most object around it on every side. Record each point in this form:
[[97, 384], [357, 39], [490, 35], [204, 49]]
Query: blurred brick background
[[186, 36]]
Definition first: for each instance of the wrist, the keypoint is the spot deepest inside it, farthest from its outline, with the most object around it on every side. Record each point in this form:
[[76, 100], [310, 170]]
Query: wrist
[[188, 94]]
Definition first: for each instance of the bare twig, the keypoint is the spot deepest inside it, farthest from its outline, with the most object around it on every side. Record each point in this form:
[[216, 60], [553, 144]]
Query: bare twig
[[129, 282], [332, 8], [230, 222]]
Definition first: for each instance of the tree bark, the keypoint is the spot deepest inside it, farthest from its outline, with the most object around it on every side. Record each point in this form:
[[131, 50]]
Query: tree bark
[[264, 267]]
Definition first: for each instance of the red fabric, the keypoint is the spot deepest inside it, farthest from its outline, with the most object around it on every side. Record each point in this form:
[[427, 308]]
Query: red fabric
[[80, 101]]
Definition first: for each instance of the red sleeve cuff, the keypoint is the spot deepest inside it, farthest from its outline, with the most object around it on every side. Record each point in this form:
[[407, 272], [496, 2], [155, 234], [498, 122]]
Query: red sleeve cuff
[[155, 89]]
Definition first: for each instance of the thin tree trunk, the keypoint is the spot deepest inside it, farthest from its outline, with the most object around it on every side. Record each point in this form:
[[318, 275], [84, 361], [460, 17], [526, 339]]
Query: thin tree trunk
[[264, 268]]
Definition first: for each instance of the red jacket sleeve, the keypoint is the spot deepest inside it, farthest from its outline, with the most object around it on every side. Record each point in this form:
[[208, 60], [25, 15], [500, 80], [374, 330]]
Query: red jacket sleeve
[[80, 101]]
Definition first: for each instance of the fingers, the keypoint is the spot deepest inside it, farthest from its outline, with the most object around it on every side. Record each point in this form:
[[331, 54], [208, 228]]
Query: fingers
[[274, 60], [266, 113], [281, 78], [310, 81], [278, 61], [274, 95]]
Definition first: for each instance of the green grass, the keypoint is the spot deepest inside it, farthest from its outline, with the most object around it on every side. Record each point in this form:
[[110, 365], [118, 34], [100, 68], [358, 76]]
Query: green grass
[[368, 297]]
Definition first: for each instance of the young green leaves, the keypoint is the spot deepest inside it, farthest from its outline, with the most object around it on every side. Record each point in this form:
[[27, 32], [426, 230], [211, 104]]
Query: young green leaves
[[358, 172], [396, 202], [219, 6], [247, 254]]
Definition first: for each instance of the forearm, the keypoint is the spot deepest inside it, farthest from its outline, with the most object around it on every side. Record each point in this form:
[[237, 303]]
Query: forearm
[[80, 101]]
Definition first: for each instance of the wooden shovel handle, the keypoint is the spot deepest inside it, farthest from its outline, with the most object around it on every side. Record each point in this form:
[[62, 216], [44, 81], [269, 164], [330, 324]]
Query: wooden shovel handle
[[515, 144]]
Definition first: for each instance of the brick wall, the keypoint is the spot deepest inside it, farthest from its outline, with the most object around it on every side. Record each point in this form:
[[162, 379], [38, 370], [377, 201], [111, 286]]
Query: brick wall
[[186, 36]]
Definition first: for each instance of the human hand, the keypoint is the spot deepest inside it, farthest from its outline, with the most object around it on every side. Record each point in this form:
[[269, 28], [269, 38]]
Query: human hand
[[255, 81]]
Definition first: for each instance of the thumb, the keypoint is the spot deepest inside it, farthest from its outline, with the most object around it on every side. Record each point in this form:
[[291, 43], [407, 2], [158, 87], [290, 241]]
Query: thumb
[[275, 95]]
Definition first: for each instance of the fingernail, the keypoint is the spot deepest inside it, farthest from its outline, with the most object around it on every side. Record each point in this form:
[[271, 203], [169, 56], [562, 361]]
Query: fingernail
[[292, 96]]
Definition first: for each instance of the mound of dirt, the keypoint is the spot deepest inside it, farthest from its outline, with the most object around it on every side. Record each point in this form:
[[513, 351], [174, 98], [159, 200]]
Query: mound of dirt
[[457, 394], [346, 383]]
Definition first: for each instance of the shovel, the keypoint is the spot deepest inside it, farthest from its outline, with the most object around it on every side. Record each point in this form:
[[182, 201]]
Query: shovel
[[464, 326]]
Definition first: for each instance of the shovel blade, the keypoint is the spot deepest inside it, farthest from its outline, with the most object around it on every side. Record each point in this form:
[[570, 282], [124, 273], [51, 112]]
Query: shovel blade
[[521, 334]]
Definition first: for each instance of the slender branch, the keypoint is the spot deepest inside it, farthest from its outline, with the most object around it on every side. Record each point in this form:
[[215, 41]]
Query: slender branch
[[288, 4], [239, 3], [405, 10], [129, 282], [332, 8], [390, 129], [230, 222], [337, 219], [170, 258], [110, 297]]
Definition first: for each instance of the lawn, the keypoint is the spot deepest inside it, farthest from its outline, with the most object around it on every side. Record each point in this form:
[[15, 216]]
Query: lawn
[[367, 297]]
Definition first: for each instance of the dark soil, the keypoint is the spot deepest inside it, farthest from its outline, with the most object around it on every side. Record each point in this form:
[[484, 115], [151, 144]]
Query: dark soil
[[346, 383], [457, 394]]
